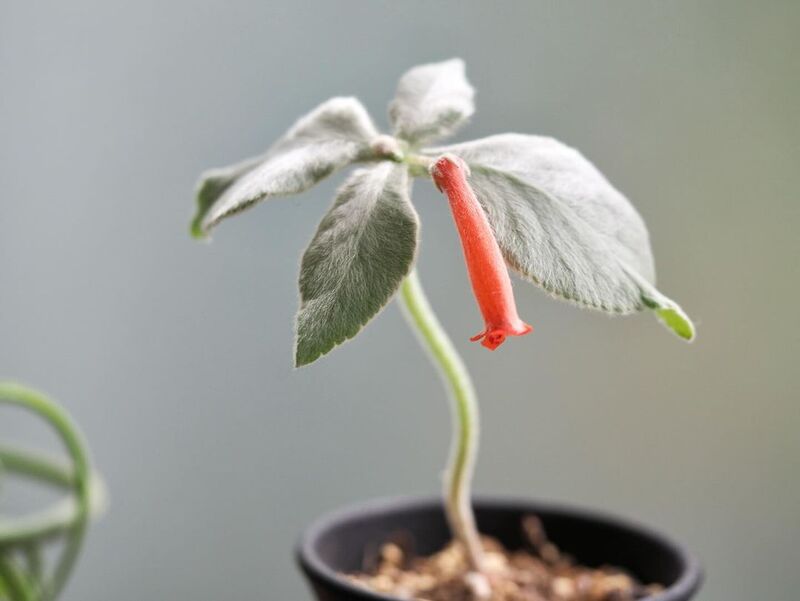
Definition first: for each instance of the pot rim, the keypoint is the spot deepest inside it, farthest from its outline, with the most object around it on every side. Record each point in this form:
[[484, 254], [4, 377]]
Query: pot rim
[[306, 555]]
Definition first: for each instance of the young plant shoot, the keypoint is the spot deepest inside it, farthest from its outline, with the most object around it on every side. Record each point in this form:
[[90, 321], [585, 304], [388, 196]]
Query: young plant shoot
[[524, 202]]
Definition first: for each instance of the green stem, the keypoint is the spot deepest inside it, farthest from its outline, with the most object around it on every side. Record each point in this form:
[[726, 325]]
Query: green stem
[[13, 580], [33, 555], [36, 466], [21, 396], [418, 164], [458, 477], [55, 520]]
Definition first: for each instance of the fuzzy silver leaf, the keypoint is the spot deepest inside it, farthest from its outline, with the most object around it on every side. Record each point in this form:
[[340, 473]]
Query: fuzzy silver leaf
[[563, 226], [335, 134], [432, 101], [363, 248]]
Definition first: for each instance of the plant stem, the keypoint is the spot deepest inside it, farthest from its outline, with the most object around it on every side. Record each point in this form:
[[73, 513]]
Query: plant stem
[[458, 477], [14, 581], [31, 400], [57, 519]]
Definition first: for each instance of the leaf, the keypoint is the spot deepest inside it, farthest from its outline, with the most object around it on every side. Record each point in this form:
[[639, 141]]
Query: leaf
[[211, 186], [563, 226], [362, 250], [335, 134], [432, 101], [667, 310]]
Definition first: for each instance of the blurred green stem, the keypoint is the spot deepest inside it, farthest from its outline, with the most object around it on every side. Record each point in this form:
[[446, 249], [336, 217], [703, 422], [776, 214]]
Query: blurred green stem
[[458, 477], [13, 580], [80, 480]]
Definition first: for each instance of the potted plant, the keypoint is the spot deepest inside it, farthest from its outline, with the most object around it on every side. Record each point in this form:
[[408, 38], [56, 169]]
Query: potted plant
[[528, 203], [28, 571]]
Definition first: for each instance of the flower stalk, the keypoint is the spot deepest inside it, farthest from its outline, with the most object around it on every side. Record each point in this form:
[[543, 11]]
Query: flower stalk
[[461, 464]]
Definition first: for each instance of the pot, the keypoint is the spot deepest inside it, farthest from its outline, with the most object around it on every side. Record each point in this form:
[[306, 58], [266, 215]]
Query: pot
[[337, 542]]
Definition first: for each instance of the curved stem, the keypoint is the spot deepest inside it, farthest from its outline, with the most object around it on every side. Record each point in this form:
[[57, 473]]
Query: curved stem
[[13, 581], [57, 519], [36, 466], [26, 398], [458, 477]]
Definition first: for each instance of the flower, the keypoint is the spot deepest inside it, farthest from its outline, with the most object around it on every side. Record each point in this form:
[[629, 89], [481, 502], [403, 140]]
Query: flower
[[488, 273]]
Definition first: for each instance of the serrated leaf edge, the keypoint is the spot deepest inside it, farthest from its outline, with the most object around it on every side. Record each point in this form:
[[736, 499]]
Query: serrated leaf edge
[[650, 297], [533, 279]]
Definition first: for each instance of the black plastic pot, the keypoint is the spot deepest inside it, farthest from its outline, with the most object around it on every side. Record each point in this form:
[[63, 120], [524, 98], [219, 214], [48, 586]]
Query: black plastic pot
[[337, 542]]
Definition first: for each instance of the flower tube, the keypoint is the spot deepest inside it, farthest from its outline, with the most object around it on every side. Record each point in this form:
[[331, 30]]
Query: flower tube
[[488, 273]]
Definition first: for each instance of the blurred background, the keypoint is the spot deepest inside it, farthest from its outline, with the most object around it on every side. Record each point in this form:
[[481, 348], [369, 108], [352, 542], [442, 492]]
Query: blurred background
[[175, 357]]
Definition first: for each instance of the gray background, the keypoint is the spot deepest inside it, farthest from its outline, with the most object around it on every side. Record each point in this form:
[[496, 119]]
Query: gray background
[[175, 357]]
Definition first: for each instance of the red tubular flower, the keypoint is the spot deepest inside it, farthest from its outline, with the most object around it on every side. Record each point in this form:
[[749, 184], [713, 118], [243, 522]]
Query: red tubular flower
[[487, 270]]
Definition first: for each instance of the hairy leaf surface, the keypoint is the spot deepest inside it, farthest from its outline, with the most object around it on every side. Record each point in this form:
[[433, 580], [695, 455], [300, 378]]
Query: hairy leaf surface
[[563, 226], [364, 247], [335, 134], [432, 101]]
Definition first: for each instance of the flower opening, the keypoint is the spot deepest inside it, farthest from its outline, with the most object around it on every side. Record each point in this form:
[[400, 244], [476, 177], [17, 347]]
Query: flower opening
[[488, 273]]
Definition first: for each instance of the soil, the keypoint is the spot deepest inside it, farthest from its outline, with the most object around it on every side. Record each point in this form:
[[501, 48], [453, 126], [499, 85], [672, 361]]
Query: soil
[[540, 572]]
